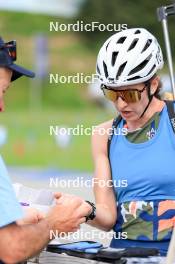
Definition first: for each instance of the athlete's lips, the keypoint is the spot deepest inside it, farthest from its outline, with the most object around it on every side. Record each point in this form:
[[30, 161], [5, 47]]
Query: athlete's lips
[[126, 114]]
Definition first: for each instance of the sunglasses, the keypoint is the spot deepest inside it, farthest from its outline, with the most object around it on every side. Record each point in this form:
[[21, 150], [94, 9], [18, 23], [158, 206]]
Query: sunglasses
[[129, 96], [11, 48]]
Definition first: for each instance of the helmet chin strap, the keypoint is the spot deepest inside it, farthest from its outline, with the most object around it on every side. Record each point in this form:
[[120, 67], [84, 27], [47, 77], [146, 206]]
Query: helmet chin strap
[[150, 97]]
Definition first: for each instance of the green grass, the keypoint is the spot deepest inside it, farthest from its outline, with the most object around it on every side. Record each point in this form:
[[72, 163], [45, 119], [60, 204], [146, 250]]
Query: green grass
[[27, 24], [29, 142]]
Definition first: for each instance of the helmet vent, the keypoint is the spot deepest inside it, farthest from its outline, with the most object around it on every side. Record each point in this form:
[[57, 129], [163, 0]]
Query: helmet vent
[[133, 44], [148, 43], [140, 66], [154, 66], [105, 69], [114, 57], [133, 78], [107, 45], [121, 40], [137, 31], [98, 70], [120, 70]]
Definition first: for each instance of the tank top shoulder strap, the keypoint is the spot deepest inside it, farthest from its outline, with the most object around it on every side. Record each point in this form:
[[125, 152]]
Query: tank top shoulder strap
[[171, 112], [115, 123]]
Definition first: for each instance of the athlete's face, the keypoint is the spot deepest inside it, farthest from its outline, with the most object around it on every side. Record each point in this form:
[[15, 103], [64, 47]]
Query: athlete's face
[[5, 79], [133, 111]]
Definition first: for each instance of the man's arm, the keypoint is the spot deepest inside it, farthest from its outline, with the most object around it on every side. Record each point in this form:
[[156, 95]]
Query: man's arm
[[18, 243], [21, 242]]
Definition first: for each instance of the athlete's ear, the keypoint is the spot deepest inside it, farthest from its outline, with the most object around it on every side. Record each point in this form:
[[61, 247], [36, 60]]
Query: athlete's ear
[[154, 84]]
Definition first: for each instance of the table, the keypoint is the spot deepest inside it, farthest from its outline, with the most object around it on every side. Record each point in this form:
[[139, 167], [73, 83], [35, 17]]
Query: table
[[54, 258]]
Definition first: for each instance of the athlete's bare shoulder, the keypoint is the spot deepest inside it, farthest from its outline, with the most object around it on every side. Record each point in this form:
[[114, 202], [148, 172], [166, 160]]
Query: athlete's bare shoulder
[[100, 137]]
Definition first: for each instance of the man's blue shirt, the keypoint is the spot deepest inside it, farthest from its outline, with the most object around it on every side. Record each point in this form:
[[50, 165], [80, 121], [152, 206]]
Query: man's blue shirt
[[10, 209]]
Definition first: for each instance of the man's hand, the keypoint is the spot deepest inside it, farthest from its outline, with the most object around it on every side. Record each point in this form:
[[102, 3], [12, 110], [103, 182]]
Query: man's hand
[[32, 216], [27, 240], [68, 213]]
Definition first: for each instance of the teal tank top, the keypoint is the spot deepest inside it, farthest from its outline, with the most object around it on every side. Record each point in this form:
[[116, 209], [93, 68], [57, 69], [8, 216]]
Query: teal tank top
[[146, 200]]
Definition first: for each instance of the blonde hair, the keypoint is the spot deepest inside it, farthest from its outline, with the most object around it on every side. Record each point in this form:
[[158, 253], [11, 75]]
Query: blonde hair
[[167, 96]]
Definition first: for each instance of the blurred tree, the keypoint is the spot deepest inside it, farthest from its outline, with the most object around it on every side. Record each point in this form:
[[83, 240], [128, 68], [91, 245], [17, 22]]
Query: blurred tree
[[136, 13]]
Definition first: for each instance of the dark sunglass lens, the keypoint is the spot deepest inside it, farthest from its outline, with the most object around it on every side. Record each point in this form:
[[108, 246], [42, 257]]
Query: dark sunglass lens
[[132, 96], [110, 94]]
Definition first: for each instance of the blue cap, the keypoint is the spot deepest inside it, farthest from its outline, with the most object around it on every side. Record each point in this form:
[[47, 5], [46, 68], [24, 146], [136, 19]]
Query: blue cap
[[7, 58]]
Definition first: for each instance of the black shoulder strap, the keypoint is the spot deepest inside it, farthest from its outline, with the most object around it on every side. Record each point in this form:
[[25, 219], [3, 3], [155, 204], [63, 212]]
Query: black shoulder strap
[[115, 123], [171, 112]]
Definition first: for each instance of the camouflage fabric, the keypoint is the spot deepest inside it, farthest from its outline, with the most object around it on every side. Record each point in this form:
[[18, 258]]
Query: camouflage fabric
[[146, 220]]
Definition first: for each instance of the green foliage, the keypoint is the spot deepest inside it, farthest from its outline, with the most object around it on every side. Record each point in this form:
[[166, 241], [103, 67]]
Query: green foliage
[[26, 24], [137, 13]]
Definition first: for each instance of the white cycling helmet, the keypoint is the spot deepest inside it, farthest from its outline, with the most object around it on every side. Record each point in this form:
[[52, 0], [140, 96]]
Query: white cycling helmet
[[129, 57]]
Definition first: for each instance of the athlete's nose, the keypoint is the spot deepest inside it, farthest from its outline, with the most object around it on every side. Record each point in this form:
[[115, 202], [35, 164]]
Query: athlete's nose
[[120, 103]]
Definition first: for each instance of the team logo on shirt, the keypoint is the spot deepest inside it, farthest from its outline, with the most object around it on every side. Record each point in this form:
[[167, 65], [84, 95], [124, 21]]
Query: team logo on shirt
[[173, 122], [151, 133]]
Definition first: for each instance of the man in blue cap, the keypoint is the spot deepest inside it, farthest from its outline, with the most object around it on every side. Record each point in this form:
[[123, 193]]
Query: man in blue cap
[[9, 71], [17, 242]]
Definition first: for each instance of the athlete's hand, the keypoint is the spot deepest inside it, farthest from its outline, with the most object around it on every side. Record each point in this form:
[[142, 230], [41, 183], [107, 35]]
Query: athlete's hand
[[60, 197], [68, 213]]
